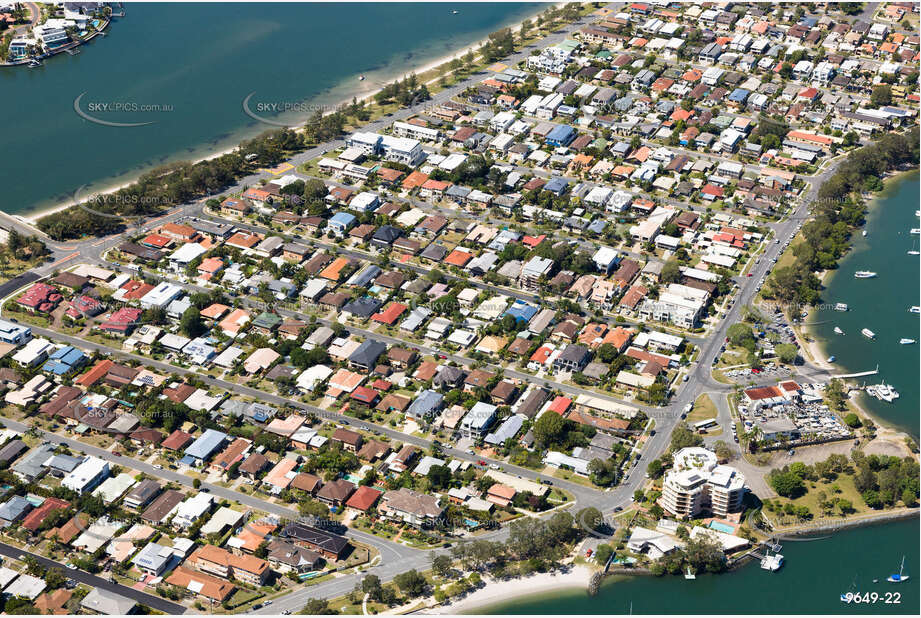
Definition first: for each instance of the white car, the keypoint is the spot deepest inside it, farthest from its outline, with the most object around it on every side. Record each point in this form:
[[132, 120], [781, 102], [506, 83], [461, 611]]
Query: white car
[[157, 467]]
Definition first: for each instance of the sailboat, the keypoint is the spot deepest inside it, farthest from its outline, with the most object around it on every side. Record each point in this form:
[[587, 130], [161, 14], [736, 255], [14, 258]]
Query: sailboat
[[689, 574], [898, 578]]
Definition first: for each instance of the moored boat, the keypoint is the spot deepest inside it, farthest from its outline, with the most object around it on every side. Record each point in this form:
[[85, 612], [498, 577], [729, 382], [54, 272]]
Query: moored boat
[[864, 274], [898, 578], [906, 341], [866, 332], [838, 331], [841, 307]]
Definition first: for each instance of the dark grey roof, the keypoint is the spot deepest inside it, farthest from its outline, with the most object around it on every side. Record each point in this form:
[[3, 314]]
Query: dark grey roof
[[367, 353]]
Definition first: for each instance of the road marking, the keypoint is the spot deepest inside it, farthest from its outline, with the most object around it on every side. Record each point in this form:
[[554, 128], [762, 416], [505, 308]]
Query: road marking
[[64, 259]]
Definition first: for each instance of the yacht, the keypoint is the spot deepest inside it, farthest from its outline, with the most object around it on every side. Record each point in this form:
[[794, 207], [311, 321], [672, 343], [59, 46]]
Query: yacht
[[914, 309], [831, 359], [772, 563], [871, 391], [915, 230], [887, 393], [864, 232], [869, 334], [864, 274], [841, 307], [906, 341], [913, 252], [838, 331], [898, 578]]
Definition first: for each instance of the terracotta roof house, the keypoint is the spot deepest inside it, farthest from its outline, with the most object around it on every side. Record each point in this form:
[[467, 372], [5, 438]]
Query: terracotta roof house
[[206, 586], [364, 498], [177, 440]]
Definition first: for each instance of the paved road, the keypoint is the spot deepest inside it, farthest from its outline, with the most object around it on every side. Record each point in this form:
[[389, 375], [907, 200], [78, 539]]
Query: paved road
[[94, 581]]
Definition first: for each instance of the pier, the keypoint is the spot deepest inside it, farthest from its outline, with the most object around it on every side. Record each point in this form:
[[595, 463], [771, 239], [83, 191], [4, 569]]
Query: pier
[[857, 375]]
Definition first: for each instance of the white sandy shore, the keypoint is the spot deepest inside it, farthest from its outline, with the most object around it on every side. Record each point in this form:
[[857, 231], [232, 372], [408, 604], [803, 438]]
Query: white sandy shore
[[499, 591], [33, 218]]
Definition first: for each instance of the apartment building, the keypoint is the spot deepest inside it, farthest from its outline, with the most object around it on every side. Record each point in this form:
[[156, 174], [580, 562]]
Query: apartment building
[[698, 484]]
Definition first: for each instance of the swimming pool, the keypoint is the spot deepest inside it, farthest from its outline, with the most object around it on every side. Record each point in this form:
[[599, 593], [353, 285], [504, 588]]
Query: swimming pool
[[721, 527]]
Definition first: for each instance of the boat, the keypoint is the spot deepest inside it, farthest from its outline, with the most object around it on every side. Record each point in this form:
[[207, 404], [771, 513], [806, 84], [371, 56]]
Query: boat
[[864, 274], [841, 307], [913, 252], [838, 331], [689, 575], [864, 232], [914, 309], [887, 393], [455, 12], [361, 78], [906, 341], [866, 332], [830, 359], [898, 578], [915, 230], [772, 563], [871, 391]]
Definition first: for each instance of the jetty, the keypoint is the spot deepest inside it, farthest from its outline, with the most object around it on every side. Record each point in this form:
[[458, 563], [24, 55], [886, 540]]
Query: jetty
[[857, 375]]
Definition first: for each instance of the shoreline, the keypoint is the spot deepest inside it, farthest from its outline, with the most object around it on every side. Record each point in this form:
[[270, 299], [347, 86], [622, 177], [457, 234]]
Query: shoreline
[[502, 591], [32, 218], [817, 346]]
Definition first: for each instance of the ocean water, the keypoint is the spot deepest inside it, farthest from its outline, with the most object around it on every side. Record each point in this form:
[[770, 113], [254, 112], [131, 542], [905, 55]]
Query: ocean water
[[879, 304], [198, 62]]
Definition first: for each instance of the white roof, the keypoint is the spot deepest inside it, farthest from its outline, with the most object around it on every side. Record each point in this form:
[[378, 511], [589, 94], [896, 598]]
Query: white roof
[[26, 586], [223, 518], [187, 252], [114, 487]]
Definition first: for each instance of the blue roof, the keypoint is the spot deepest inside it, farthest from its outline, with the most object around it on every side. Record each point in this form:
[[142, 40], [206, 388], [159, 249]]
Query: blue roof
[[556, 185], [206, 444], [63, 360], [343, 218], [521, 311], [561, 133], [508, 429], [739, 94]]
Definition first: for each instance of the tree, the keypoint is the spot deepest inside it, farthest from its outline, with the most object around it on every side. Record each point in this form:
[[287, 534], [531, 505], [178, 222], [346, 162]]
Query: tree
[[55, 578], [603, 554], [683, 436], [786, 352], [741, 335], [441, 564], [655, 468], [318, 607], [852, 421], [835, 393], [786, 484], [722, 449], [410, 583], [440, 476], [548, 428], [191, 324], [882, 95], [371, 585], [671, 272], [196, 483]]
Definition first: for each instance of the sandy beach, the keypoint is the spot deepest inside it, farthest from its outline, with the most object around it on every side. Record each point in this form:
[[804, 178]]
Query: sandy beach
[[500, 591], [345, 99]]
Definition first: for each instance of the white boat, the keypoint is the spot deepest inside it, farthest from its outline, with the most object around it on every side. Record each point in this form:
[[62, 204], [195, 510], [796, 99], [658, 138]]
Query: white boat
[[838, 331], [772, 563], [915, 230], [830, 359], [871, 391], [864, 274], [887, 393], [841, 307], [864, 232], [906, 341], [689, 575], [914, 252], [361, 78], [454, 12], [914, 309], [866, 332], [898, 578]]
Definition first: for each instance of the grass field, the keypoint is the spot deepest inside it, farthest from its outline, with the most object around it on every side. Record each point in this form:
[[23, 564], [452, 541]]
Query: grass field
[[704, 409]]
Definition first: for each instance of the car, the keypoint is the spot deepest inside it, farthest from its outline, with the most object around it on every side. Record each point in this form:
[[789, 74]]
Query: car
[[493, 466], [588, 552], [469, 451], [685, 378], [546, 482], [157, 467], [618, 509], [267, 603], [481, 463], [652, 432], [442, 357], [257, 606], [748, 275], [116, 453]]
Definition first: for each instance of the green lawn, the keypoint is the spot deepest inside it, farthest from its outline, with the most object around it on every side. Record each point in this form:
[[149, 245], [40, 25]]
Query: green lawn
[[845, 491], [704, 409]]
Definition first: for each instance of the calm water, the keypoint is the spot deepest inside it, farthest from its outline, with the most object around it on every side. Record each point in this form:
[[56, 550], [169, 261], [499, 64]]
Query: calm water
[[880, 304], [816, 573], [200, 61]]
